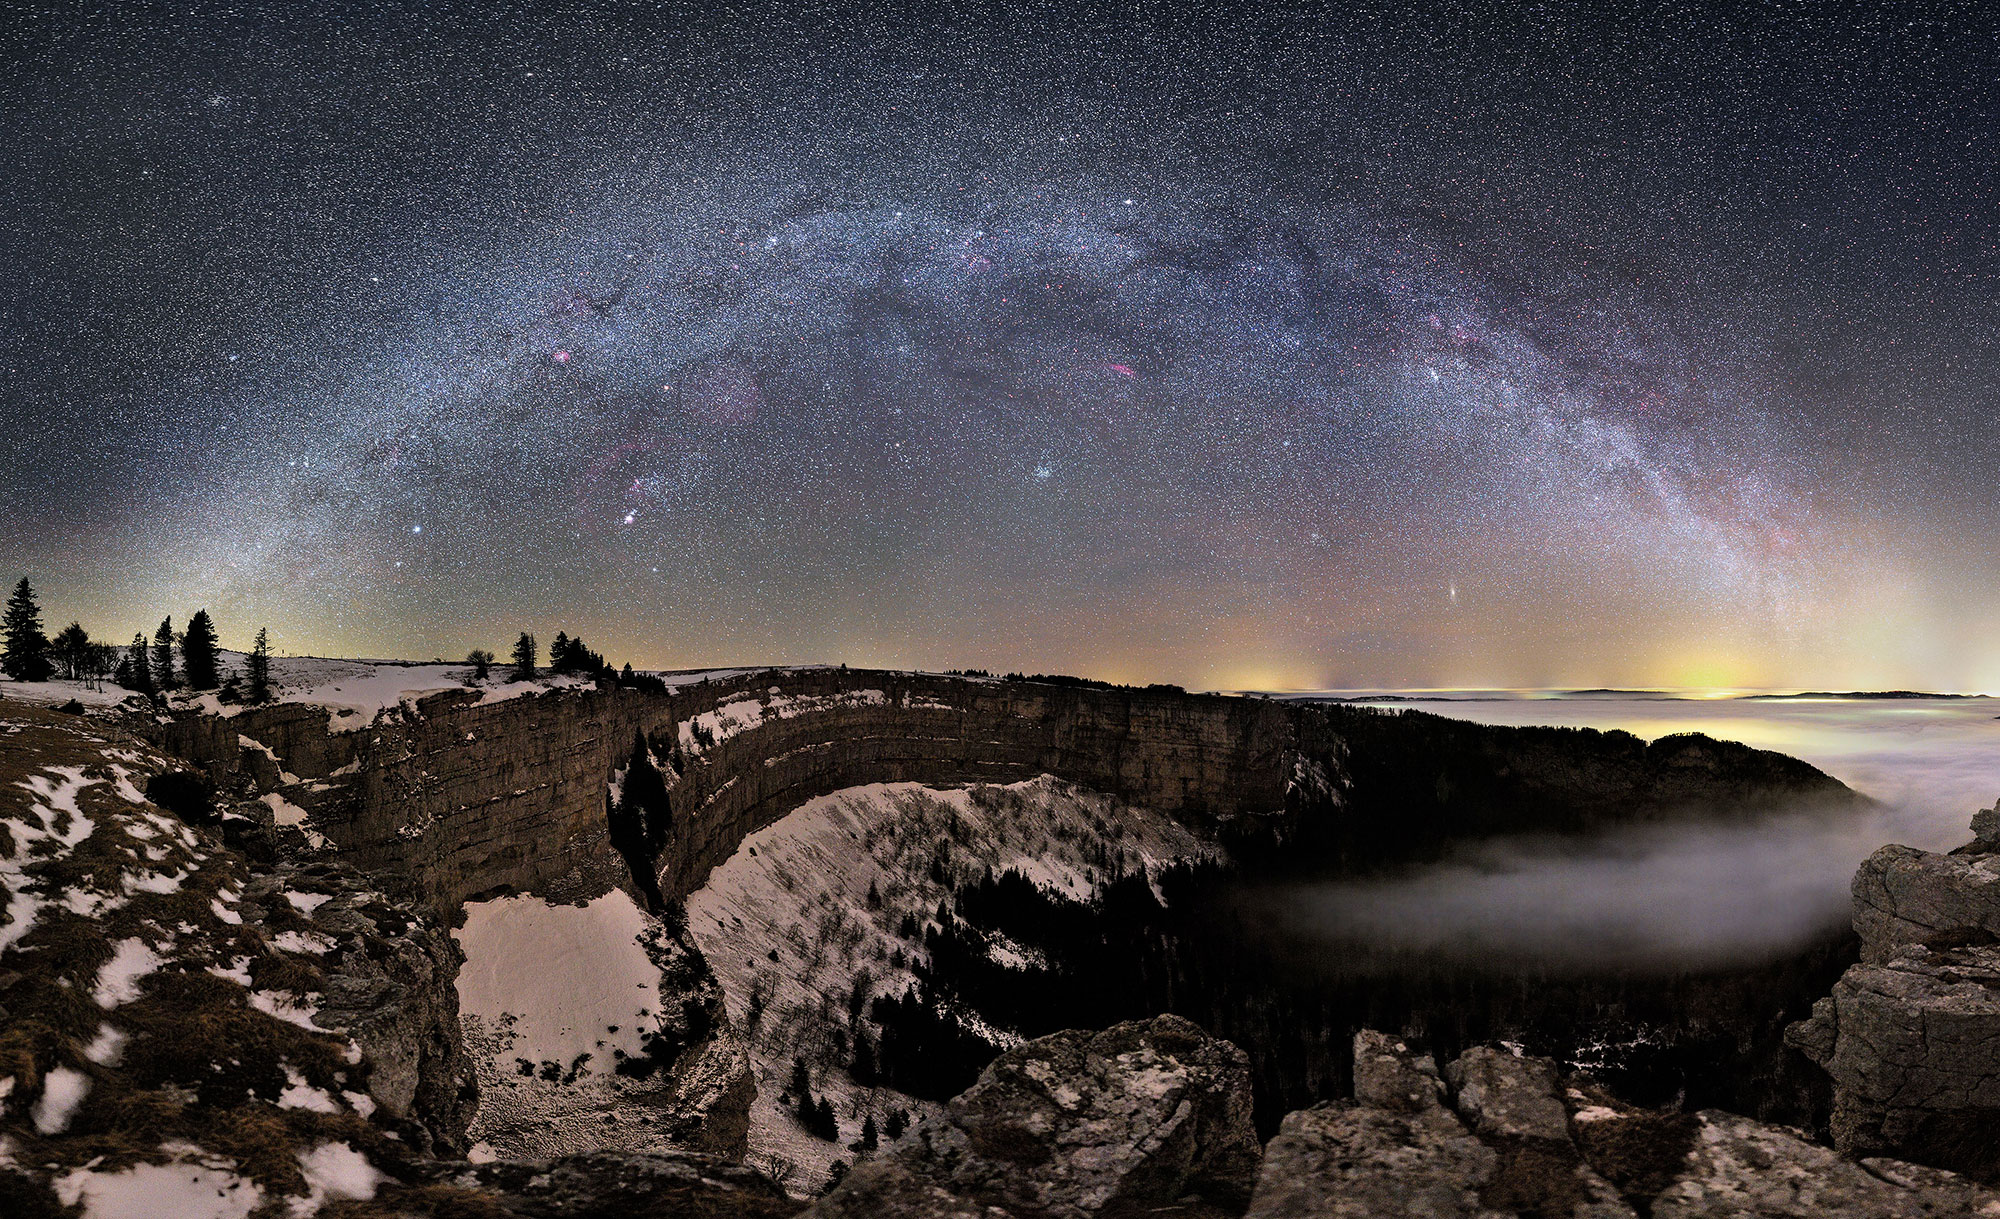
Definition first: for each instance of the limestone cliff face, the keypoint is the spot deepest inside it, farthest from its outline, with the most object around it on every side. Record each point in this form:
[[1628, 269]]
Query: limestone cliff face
[[469, 797]]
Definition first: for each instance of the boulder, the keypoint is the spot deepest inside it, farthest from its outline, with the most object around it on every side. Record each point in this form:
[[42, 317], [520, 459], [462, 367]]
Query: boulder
[[1906, 896], [1400, 1151], [1147, 1114], [1913, 1048], [1508, 1141], [1911, 1036]]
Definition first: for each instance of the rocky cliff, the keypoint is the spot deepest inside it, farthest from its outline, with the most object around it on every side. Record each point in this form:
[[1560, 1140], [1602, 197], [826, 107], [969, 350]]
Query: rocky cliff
[[469, 796], [1911, 1035]]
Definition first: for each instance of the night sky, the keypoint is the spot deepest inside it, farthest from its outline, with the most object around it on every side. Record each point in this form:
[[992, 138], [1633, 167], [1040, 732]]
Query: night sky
[[1518, 345]]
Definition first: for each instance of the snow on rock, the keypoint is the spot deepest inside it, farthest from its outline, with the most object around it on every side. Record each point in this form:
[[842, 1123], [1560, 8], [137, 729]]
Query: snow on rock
[[711, 728], [284, 812], [788, 926], [306, 903], [202, 1189]]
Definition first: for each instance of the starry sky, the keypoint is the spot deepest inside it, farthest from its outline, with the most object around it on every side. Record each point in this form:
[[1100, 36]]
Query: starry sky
[[1507, 345]]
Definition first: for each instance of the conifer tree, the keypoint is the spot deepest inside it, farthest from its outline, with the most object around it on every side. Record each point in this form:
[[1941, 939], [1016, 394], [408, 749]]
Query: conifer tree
[[524, 658], [26, 654], [198, 653], [257, 667], [163, 655], [559, 654], [139, 666], [71, 650], [481, 661], [870, 1139]]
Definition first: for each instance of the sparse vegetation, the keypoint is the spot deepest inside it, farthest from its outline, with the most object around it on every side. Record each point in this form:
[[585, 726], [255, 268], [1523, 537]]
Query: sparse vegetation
[[481, 661]]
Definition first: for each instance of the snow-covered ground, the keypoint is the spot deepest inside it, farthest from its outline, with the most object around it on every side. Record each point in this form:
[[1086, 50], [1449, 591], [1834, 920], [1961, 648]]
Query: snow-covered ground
[[354, 691], [550, 997], [108, 898], [788, 926], [57, 692]]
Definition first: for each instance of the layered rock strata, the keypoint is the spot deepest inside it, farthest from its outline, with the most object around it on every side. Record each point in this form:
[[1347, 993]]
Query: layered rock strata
[[468, 796]]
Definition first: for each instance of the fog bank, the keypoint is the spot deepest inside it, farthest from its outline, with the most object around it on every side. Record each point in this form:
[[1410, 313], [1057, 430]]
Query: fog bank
[[1672, 896]]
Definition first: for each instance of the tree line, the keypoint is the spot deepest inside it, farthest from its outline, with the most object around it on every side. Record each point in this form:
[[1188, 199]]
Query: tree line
[[171, 660], [567, 657], [190, 658]]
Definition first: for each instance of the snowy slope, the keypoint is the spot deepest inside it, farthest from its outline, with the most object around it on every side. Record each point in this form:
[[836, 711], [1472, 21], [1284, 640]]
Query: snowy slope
[[787, 925], [140, 944]]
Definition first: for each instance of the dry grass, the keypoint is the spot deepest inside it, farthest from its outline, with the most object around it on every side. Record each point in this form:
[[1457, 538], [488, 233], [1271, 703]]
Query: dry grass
[[201, 1064]]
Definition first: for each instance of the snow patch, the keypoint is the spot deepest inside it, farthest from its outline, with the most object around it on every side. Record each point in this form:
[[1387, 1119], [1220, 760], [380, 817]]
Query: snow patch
[[335, 1170], [118, 981], [108, 1047], [62, 1091], [558, 978], [200, 1190]]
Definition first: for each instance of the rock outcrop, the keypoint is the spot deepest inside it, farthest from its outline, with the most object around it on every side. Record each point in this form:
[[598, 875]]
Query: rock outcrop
[[1146, 1115], [1911, 1035], [684, 1185], [388, 977], [1496, 1136]]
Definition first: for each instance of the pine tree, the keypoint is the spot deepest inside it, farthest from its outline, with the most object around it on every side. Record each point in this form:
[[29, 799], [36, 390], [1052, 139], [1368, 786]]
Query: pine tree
[[198, 653], [257, 667], [163, 655], [559, 654], [139, 666], [71, 651], [524, 658], [26, 657], [870, 1139], [899, 1121]]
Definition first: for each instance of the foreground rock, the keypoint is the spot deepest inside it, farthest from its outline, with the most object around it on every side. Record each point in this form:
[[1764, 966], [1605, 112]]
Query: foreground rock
[[1150, 1114], [1911, 1035], [1498, 1137], [684, 1185]]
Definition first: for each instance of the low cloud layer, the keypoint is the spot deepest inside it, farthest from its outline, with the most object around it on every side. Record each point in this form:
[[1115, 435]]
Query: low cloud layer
[[1679, 896]]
